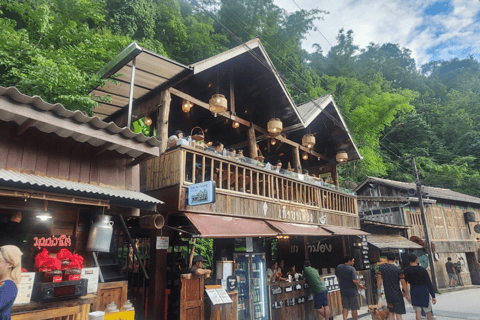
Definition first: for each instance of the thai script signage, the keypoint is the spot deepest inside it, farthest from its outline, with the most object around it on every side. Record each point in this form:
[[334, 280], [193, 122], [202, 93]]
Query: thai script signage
[[51, 242], [331, 283]]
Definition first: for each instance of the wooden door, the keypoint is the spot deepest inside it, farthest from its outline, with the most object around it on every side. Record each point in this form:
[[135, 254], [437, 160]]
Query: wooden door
[[191, 297], [474, 267]]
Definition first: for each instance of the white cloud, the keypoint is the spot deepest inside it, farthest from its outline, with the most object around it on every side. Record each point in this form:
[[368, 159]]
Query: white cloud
[[401, 22]]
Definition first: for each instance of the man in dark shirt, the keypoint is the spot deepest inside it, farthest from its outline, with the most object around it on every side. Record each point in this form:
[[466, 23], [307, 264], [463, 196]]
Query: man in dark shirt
[[420, 288], [452, 274], [349, 285], [197, 267], [392, 276]]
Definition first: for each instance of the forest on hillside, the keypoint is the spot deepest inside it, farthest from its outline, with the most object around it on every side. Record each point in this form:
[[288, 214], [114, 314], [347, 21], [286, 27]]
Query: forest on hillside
[[394, 108]]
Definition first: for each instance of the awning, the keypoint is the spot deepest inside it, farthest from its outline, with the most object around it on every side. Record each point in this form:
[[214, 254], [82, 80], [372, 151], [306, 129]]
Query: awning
[[298, 229], [340, 231], [126, 198], [213, 226], [383, 241]]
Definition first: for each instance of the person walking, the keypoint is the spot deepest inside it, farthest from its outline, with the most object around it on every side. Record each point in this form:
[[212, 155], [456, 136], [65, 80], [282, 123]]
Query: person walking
[[318, 289], [392, 276], [349, 285], [10, 276], [421, 288], [452, 273]]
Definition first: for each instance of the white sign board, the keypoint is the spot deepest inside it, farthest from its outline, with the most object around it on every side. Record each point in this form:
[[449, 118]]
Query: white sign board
[[91, 274], [218, 296], [25, 288], [249, 242], [162, 243]]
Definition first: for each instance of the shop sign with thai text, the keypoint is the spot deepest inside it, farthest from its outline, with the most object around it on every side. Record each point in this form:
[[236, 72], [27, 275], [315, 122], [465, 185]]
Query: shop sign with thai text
[[53, 243]]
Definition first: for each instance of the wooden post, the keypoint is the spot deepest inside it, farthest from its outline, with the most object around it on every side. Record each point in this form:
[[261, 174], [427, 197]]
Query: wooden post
[[305, 245], [162, 119], [335, 174], [296, 160], [252, 143], [158, 275]]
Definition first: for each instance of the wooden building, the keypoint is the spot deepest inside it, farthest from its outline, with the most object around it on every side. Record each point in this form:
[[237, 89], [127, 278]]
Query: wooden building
[[451, 218], [252, 199], [67, 167]]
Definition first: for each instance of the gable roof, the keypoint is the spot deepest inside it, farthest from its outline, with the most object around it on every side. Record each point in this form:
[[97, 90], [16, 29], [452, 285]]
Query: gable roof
[[433, 192]]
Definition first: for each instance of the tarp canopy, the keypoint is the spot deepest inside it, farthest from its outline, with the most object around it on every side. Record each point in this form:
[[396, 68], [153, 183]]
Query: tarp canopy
[[382, 241], [298, 229]]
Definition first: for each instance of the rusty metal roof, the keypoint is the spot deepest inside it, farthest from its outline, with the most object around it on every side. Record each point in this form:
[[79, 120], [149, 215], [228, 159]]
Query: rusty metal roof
[[433, 192], [382, 241], [342, 231], [298, 229], [54, 118], [13, 179], [218, 226]]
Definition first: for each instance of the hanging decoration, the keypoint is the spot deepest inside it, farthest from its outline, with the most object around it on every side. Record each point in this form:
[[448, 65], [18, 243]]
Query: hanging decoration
[[148, 121], [218, 104], [186, 106], [308, 141], [305, 156], [341, 157], [235, 124], [275, 127], [273, 141]]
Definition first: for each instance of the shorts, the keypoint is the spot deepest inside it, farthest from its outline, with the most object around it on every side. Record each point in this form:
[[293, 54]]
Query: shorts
[[452, 276], [321, 300], [350, 303], [396, 306], [426, 309]]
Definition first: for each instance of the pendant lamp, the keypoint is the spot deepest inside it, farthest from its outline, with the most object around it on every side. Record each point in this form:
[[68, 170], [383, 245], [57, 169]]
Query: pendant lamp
[[341, 157], [218, 104], [186, 106], [274, 127], [308, 140]]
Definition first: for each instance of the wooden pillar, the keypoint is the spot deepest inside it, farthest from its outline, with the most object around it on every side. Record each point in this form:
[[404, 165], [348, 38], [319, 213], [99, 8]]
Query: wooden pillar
[[157, 273], [296, 160], [335, 174], [305, 245], [252, 143], [162, 119]]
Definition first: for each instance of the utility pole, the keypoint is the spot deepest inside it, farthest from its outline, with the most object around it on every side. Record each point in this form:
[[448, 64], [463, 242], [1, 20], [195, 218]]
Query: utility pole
[[424, 222]]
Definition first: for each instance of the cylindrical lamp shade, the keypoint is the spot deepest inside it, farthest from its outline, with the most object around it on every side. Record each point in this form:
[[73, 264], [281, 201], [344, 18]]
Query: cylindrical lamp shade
[[218, 104], [308, 141], [342, 157], [274, 126]]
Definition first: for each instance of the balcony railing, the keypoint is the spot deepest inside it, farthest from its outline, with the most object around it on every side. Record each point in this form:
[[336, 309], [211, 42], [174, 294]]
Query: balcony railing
[[185, 165]]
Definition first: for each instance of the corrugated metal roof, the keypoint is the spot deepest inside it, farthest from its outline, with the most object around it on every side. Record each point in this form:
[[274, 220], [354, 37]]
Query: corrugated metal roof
[[433, 192], [382, 241], [16, 179], [54, 118], [298, 229], [216, 226], [341, 231], [311, 109]]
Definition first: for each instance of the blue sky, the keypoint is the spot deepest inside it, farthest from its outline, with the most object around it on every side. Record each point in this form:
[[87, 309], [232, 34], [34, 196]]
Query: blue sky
[[432, 30]]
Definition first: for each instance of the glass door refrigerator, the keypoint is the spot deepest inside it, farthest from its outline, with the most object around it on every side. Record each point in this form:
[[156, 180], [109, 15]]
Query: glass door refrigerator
[[250, 271]]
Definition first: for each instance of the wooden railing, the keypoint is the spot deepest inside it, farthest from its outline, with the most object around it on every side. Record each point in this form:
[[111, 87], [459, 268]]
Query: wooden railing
[[185, 166]]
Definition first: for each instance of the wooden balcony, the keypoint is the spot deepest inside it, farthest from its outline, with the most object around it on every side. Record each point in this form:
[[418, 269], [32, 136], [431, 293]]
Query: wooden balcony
[[246, 189]]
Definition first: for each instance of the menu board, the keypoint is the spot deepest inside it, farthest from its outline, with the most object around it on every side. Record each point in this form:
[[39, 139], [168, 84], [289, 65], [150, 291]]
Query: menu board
[[218, 296], [331, 283], [92, 275], [25, 288], [365, 258]]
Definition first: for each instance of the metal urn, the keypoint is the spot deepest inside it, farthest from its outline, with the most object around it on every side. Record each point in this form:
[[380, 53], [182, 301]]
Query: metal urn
[[100, 235]]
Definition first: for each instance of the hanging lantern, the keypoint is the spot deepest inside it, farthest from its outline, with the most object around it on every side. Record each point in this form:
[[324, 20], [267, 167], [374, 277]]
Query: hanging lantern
[[218, 104], [273, 142], [341, 157], [305, 156], [235, 124], [186, 106], [148, 121], [308, 140], [275, 126]]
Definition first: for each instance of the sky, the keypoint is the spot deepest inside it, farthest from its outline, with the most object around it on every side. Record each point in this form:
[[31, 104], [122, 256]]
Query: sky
[[432, 30]]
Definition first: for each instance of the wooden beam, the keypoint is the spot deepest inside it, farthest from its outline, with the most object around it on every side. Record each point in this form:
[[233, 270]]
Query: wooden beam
[[162, 119], [252, 143], [24, 126], [137, 160], [103, 148]]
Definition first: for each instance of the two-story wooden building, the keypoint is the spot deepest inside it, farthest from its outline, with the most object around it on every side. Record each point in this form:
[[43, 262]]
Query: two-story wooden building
[[452, 221], [310, 215]]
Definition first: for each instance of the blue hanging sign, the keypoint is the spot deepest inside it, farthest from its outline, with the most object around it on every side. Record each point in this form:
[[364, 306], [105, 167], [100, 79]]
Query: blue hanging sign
[[201, 193]]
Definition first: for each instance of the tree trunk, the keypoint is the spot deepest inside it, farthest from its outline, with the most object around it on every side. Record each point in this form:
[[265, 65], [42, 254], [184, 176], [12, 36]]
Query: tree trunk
[[252, 143], [162, 119], [296, 160]]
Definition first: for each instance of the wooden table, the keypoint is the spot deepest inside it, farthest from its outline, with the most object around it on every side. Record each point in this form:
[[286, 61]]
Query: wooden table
[[72, 309]]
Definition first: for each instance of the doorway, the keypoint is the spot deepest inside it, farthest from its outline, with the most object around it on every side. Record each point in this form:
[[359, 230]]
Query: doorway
[[473, 267]]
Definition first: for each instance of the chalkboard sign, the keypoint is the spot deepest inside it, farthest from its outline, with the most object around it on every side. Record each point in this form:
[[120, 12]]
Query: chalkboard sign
[[291, 302], [277, 305], [301, 300], [310, 297], [298, 286], [365, 258], [289, 289], [331, 283], [306, 286], [231, 283], [276, 290]]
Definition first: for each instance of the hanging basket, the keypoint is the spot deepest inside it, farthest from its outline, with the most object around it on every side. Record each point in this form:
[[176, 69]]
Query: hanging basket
[[198, 136], [308, 141], [341, 157], [274, 127], [218, 104]]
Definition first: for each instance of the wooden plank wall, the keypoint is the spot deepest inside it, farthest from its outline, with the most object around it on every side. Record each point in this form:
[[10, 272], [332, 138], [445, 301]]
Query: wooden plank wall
[[108, 292], [49, 155], [163, 171]]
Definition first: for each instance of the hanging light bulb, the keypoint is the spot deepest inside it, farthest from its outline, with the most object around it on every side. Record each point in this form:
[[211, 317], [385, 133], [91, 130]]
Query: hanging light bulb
[[305, 156], [341, 157], [308, 140], [186, 106], [44, 215], [275, 126], [273, 141], [148, 121], [235, 124], [218, 104]]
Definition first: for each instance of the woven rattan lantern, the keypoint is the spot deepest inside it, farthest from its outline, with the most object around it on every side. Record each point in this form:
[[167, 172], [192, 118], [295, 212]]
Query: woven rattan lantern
[[308, 141], [186, 106], [275, 126], [218, 104], [342, 157]]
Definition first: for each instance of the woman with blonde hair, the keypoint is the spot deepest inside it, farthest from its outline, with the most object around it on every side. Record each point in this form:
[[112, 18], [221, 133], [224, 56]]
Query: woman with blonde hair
[[10, 276]]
